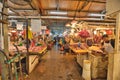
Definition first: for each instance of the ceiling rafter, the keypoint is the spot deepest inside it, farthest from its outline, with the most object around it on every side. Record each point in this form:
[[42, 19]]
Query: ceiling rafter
[[103, 2], [76, 10], [35, 4], [40, 7], [19, 2]]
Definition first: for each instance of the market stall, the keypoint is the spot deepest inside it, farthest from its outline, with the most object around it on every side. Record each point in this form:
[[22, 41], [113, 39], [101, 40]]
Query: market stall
[[36, 53], [86, 44]]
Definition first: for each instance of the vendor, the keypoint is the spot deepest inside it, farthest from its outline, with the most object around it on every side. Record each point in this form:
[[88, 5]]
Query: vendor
[[106, 44]]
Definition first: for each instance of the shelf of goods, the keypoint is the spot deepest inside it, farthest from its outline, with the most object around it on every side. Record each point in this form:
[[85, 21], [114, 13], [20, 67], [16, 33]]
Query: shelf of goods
[[35, 53]]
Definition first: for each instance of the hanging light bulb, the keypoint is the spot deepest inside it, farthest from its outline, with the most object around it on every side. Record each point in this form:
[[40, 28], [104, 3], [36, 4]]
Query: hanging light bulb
[[74, 22], [72, 30], [67, 25], [73, 26]]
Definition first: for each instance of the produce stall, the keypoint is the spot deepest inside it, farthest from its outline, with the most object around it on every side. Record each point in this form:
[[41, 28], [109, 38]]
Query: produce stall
[[35, 53]]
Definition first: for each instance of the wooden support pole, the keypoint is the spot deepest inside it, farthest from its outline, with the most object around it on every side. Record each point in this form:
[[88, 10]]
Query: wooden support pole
[[114, 59], [116, 67], [27, 46], [4, 67], [5, 29], [110, 66], [117, 33]]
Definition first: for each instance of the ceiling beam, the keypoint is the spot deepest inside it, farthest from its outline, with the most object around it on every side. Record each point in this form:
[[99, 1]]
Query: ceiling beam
[[13, 14], [103, 2], [61, 17], [74, 10], [59, 10], [76, 16]]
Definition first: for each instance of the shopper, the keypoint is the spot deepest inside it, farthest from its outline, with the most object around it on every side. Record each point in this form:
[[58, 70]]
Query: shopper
[[66, 47], [106, 44]]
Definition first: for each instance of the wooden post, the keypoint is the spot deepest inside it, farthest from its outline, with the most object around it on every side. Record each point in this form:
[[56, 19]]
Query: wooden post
[[116, 67], [5, 29], [110, 66], [27, 46], [114, 59], [117, 33], [4, 68]]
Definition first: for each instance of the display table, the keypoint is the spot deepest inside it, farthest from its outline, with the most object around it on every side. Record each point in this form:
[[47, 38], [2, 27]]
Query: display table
[[81, 54], [81, 58], [37, 50], [77, 50]]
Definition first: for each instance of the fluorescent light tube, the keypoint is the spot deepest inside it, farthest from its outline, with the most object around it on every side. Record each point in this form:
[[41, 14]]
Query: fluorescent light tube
[[58, 12], [93, 14]]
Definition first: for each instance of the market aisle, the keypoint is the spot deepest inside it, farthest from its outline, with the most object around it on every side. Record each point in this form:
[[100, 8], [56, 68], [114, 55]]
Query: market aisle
[[56, 66]]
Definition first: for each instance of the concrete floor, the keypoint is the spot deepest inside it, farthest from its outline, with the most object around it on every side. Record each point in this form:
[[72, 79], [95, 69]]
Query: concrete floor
[[56, 66]]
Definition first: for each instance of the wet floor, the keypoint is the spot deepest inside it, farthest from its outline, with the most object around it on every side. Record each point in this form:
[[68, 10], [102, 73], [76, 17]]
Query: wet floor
[[56, 66]]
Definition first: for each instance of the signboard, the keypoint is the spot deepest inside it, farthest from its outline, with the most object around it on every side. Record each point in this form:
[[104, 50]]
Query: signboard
[[112, 7], [19, 26], [43, 28], [35, 25]]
